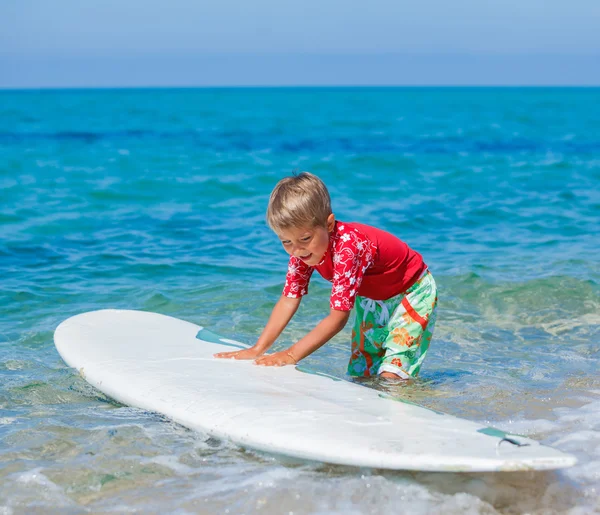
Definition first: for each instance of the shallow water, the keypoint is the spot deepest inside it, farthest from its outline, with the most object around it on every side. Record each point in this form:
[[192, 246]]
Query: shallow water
[[155, 200]]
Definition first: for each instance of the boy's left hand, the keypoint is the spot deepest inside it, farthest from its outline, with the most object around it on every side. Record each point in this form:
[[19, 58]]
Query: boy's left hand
[[277, 359]]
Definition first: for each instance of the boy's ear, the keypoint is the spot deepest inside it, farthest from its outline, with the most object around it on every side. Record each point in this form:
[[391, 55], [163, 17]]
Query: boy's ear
[[330, 222]]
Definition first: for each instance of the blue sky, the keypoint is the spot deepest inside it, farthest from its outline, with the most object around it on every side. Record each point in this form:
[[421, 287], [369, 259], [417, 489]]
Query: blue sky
[[68, 43]]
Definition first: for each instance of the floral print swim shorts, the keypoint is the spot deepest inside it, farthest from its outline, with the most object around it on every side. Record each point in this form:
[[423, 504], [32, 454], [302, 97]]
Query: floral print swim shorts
[[393, 335]]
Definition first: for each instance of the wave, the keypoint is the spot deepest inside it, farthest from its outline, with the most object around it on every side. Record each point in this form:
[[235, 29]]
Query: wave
[[250, 141]]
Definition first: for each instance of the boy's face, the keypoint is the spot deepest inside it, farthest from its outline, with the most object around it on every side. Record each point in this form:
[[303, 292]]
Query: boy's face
[[307, 243]]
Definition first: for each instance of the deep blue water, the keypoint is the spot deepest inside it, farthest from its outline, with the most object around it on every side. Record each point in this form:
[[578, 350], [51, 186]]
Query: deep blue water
[[155, 200]]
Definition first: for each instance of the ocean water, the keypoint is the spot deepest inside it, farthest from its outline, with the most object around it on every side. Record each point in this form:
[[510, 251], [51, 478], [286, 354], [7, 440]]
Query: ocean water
[[155, 200]]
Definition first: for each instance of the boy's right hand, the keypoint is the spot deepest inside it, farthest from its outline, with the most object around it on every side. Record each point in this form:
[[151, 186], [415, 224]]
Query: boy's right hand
[[249, 353]]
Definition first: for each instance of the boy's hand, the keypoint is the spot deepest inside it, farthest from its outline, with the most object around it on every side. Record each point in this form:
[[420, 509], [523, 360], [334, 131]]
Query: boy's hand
[[249, 353], [277, 359]]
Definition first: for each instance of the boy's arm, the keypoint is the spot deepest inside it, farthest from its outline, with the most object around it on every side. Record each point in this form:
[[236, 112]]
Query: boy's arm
[[282, 313], [321, 334]]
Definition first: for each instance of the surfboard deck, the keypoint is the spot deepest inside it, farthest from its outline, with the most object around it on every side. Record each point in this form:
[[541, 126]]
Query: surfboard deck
[[166, 365]]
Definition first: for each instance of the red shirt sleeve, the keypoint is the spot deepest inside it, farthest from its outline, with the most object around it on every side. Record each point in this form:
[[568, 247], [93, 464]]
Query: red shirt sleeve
[[353, 255], [297, 278]]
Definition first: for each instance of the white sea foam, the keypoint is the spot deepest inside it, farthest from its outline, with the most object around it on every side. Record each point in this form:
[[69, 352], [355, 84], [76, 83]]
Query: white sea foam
[[33, 488]]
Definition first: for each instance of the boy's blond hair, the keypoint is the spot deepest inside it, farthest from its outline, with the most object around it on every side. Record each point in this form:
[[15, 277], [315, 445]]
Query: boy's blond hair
[[301, 200]]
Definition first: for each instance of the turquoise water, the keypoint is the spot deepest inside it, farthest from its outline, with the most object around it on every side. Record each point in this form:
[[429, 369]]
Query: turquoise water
[[155, 200]]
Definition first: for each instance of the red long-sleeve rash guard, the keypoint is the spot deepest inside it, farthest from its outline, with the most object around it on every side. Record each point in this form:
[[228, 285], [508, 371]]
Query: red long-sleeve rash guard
[[360, 260]]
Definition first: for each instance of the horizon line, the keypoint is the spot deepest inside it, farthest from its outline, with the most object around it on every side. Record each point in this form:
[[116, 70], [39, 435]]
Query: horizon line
[[4, 89]]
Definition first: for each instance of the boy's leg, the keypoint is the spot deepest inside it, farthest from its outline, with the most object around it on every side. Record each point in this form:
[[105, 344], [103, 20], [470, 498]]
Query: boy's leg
[[410, 330], [389, 375], [368, 331]]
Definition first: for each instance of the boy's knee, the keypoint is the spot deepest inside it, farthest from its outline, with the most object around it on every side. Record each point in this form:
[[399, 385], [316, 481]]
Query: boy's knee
[[390, 375]]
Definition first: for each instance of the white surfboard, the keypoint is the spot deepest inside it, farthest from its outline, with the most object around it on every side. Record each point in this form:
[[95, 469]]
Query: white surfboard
[[166, 365]]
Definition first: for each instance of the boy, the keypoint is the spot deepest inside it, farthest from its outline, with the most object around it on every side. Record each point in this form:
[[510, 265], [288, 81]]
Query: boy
[[388, 284]]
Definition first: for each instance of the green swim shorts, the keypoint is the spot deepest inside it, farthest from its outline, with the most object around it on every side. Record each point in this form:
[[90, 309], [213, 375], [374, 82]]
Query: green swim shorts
[[393, 335]]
